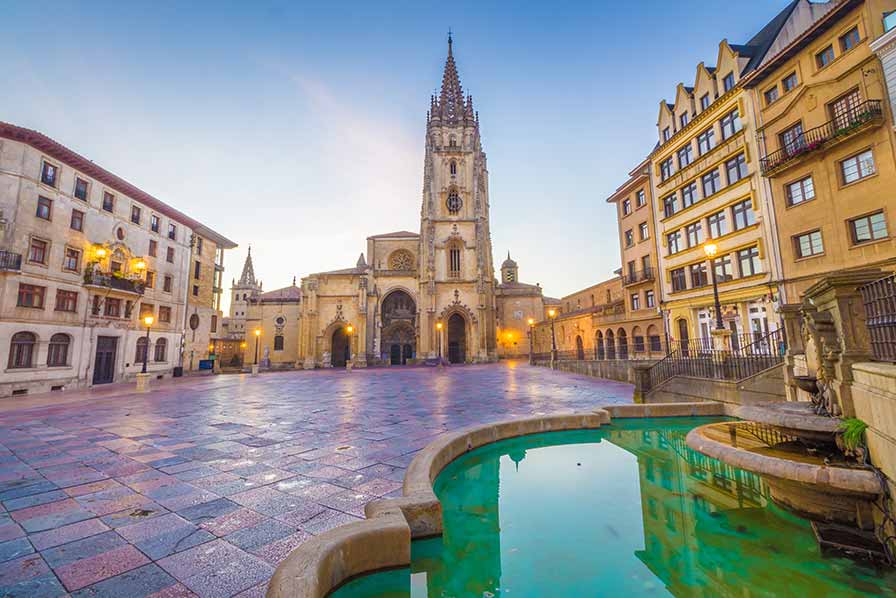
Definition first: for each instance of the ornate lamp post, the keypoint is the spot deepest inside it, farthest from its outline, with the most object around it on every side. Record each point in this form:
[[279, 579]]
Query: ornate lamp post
[[243, 346], [531, 322], [147, 321], [439, 327], [349, 329], [552, 313], [255, 363], [711, 249]]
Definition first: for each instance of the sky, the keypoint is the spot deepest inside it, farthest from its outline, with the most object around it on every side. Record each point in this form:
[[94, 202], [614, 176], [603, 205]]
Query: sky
[[298, 128]]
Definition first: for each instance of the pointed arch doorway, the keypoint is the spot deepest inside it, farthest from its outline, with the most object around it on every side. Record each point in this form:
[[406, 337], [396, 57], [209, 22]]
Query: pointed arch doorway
[[457, 339], [399, 334], [341, 351]]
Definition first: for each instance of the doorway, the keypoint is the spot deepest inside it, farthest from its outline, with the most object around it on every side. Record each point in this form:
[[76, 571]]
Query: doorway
[[340, 353], [683, 336], [457, 339], [104, 364]]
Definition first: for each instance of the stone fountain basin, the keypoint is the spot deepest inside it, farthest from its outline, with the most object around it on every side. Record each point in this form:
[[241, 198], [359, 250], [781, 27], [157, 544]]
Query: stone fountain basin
[[796, 418], [798, 480]]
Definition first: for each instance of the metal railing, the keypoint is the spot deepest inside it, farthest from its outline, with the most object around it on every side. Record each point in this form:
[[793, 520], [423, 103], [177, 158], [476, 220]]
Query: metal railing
[[732, 364], [880, 317], [114, 282], [809, 141], [10, 262], [638, 276]]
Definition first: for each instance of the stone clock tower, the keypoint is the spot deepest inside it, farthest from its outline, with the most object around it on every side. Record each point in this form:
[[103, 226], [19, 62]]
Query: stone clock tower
[[456, 272]]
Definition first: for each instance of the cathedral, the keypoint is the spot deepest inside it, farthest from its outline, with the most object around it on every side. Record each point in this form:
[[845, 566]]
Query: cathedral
[[416, 296]]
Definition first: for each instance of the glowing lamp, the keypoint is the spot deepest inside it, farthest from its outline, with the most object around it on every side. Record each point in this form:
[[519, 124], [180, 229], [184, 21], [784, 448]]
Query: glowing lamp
[[531, 321], [438, 325], [148, 320], [140, 265], [258, 332], [349, 329], [100, 252], [552, 313], [710, 249]]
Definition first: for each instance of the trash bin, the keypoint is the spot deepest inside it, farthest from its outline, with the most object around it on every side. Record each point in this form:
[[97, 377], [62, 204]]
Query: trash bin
[[178, 371]]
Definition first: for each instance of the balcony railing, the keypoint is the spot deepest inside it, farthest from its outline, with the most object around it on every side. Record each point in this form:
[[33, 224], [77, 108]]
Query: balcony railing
[[10, 262], [879, 298], [126, 285], [638, 276], [855, 119]]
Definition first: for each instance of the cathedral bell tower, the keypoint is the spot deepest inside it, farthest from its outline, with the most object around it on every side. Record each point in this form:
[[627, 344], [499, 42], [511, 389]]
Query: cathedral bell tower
[[456, 277]]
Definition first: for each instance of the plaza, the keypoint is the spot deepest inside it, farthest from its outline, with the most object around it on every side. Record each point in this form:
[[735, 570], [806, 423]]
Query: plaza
[[204, 485]]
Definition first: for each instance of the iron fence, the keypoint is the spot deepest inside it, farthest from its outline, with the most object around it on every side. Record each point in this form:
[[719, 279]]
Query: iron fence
[[10, 261], [880, 317]]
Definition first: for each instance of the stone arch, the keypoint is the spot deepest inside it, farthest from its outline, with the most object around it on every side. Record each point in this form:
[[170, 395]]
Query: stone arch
[[638, 340], [599, 345], [654, 342], [611, 345], [580, 348], [622, 339], [398, 318], [326, 337], [457, 338]]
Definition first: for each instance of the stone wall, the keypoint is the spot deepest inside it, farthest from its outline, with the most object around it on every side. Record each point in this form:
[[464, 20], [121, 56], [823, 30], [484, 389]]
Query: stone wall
[[762, 388], [874, 397], [621, 370]]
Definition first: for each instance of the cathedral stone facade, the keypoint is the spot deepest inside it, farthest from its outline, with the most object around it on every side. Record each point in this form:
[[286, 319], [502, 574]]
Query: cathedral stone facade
[[416, 295]]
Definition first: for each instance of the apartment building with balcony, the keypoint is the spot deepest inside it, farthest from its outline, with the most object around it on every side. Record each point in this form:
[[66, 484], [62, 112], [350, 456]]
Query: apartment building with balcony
[[204, 339], [84, 255], [826, 140]]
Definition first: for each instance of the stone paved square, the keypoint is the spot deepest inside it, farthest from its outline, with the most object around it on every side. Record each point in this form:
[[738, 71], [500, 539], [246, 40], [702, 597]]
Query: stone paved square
[[204, 485]]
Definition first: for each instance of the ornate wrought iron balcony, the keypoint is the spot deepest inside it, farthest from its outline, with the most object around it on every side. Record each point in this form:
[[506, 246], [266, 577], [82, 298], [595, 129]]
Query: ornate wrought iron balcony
[[858, 118], [10, 262], [108, 281], [638, 276]]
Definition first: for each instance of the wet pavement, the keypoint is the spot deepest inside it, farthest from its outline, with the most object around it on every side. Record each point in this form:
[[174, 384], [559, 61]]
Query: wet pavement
[[203, 486]]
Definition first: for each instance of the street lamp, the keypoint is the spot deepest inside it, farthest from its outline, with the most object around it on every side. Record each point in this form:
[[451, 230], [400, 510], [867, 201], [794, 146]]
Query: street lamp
[[531, 322], [257, 335], [147, 320], [243, 346], [439, 327], [349, 329], [711, 249], [552, 313]]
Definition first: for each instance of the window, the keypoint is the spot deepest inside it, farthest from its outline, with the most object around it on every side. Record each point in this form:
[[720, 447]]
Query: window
[[48, 174], [728, 82], [792, 139], [748, 261], [678, 280], [699, 277], [683, 120], [44, 208], [868, 228], [164, 313], [278, 339], [454, 261], [37, 252], [736, 169], [57, 352], [150, 279], [453, 167], [631, 270], [153, 248], [161, 350], [112, 307], [629, 238], [717, 225], [771, 95], [172, 231], [655, 342], [673, 242], [71, 259], [667, 133], [66, 300], [636, 301], [108, 201], [645, 263], [166, 283], [825, 57], [21, 350], [689, 195], [723, 270], [640, 199], [808, 244], [453, 203], [197, 269], [800, 191], [685, 156], [789, 82], [706, 141], [849, 40], [195, 290], [666, 169], [643, 231], [147, 309], [845, 109], [154, 223], [857, 167], [711, 182], [649, 299], [704, 101], [730, 124], [198, 245], [626, 207], [80, 189], [670, 205], [31, 296], [169, 255], [140, 355], [135, 214], [214, 324], [77, 222], [693, 234], [743, 214]]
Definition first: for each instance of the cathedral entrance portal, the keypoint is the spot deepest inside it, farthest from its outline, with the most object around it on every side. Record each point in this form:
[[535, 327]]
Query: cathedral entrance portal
[[457, 339], [341, 352], [399, 335]]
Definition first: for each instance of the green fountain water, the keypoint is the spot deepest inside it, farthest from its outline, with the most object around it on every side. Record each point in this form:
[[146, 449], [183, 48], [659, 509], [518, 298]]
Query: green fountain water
[[627, 510]]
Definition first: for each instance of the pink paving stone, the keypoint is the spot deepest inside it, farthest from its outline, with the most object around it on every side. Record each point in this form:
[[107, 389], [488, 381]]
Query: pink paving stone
[[316, 490], [60, 506], [326, 472], [67, 533], [259, 591], [80, 574], [231, 522], [378, 487], [101, 506], [269, 477], [10, 531], [148, 457], [120, 445], [152, 527], [275, 552], [18, 570], [91, 488], [201, 559], [176, 591]]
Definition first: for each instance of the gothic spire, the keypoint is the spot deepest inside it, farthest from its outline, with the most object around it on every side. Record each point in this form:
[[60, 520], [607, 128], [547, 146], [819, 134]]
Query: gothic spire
[[451, 106], [248, 276]]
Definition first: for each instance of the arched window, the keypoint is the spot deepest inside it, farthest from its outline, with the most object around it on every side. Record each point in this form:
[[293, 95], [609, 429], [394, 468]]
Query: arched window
[[58, 351], [653, 339], [278, 342], [453, 167], [21, 350], [401, 259], [599, 345], [454, 203], [637, 340], [623, 344], [611, 345], [455, 254], [452, 141], [140, 355], [161, 350]]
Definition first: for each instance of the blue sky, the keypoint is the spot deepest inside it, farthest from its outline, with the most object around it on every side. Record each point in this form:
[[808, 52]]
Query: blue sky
[[298, 127]]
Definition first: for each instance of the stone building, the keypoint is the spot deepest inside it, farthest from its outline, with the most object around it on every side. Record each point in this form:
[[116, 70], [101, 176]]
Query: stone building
[[517, 304], [84, 256], [416, 295], [204, 316]]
